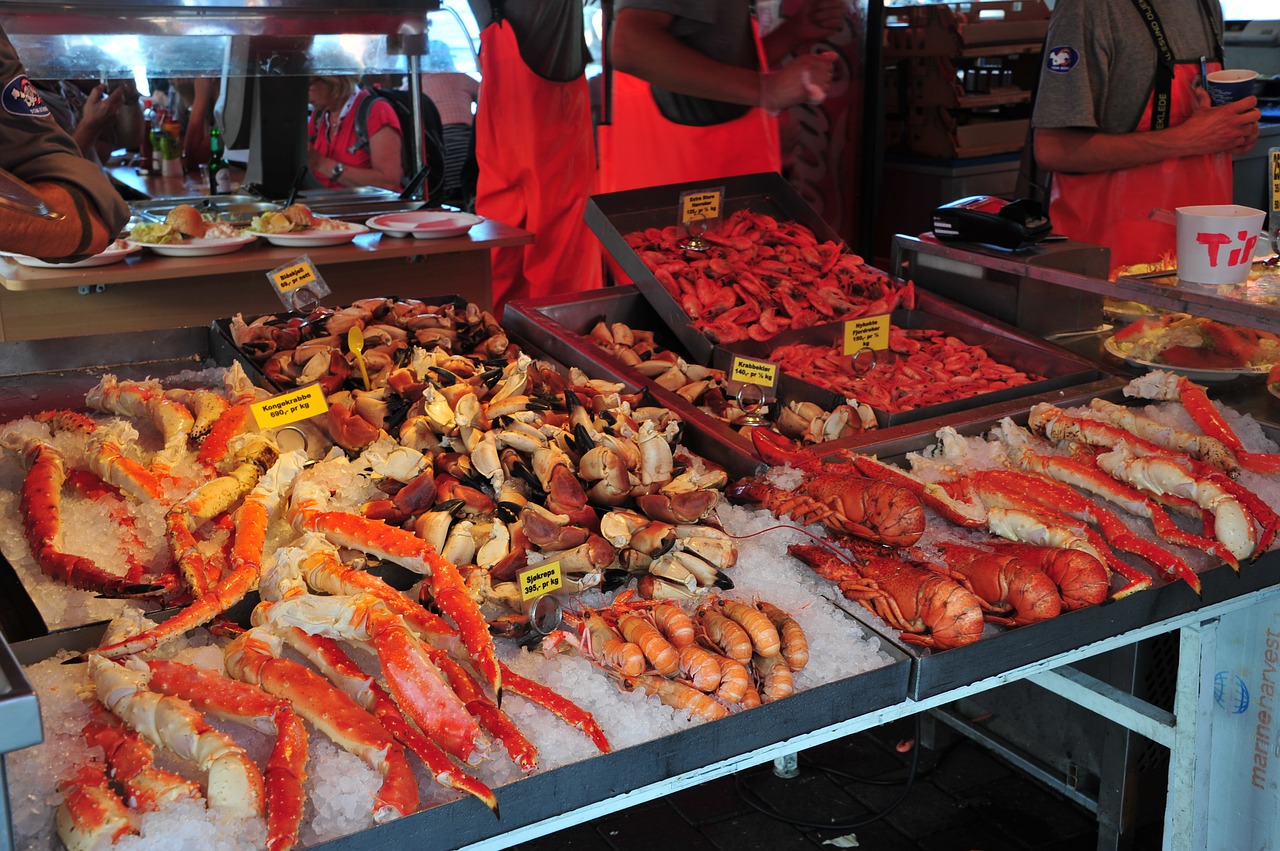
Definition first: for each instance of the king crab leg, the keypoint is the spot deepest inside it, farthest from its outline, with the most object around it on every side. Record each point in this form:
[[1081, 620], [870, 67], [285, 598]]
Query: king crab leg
[[1168, 387], [255, 657], [286, 771]]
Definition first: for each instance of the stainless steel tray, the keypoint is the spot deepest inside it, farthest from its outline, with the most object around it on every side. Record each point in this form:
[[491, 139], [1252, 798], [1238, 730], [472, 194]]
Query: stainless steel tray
[[560, 325], [614, 214], [39, 375], [235, 209], [936, 672], [1006, 344], [547, 794]]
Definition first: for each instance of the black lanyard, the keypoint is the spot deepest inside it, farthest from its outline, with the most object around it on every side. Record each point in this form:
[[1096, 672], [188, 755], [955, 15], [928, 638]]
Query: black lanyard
[[1162, 92]]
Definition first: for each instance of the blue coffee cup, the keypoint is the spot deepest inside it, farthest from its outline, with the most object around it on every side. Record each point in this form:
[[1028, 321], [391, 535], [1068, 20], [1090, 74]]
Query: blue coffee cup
[[1228, 86]]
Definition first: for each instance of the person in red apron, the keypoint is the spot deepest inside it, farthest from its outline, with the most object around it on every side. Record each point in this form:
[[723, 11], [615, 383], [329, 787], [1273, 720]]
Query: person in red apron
[[690, 95], [534, 148], [1123, 121]]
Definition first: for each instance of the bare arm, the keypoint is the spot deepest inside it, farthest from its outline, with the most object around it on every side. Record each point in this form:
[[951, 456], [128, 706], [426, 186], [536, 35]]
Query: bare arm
[[81, 231], [1232, 128], [816, 20], [384, 154], [643, 46]]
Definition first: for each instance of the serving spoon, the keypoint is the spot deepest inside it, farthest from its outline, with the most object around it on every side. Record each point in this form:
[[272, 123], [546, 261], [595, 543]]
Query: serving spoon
[[355, 343]]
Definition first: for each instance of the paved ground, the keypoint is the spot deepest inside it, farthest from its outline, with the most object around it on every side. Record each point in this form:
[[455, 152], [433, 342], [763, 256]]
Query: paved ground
[[963, 798]]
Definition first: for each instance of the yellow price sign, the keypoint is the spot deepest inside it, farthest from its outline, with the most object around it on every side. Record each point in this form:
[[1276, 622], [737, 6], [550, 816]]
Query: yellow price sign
[[700, 205], [759, 372], [287, 278], [539, 580], [289, 407], [866, 332]]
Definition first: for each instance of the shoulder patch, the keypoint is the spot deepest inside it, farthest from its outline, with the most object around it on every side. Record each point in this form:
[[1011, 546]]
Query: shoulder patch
[[1060, 60], [21, 98]]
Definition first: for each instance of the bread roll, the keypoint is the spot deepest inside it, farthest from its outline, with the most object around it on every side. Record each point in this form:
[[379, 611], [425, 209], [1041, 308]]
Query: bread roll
[[187, 220]]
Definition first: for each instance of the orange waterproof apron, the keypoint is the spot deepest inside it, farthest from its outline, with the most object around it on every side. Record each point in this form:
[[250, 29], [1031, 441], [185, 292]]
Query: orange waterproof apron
[[643, 148], [1113, 208], [537, 167]]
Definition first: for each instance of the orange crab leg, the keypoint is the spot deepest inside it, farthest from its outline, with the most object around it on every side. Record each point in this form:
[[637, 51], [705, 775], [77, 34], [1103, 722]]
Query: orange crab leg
[[1050, 493], [409, 551], [91, 812], [42, 520], [324, 572], [333, 661], [238, 701], [254, 658], [493, 719], [246, 557], [1166, 386], [132, 760]]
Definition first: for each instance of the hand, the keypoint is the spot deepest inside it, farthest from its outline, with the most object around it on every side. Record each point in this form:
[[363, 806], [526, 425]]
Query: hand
[[817, 19], [805, 79], [100, 108], [1230, 128]]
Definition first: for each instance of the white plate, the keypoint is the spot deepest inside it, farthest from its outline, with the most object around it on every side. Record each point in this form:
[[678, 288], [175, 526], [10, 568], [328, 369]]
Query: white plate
[[313, 238], [1202, 376], [114, 254], [425, 224], [198, 247]]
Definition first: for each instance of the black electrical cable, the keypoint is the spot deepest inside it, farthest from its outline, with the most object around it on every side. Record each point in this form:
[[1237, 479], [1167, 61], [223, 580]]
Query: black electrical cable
[[749, 796]]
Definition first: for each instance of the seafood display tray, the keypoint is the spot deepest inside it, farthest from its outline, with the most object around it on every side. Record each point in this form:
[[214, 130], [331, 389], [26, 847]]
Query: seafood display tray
[[940, 671], [39, 375], [1006, 344], [561, 325], [614, 214], [222, 329], [548, 794], [36, 375]]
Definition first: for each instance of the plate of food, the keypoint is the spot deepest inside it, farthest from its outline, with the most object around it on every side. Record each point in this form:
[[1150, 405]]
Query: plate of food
[[114, 253], [1203, 350], [296, 226], [425, 224], [186, 233]]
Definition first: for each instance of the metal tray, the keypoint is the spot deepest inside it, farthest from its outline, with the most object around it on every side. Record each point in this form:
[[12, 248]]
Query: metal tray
[[547, 794], [238, 210], [937, 672], [1006, 344], [558, 325], [39, 375], [616, 213]]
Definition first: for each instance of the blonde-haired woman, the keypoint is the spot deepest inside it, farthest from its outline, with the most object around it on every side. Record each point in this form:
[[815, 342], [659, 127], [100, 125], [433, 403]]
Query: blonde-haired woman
[[336, 156]]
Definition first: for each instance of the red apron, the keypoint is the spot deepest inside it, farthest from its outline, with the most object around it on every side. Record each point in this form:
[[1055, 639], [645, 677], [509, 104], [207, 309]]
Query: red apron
[[537, 168], [1113, 208], [642, 148]]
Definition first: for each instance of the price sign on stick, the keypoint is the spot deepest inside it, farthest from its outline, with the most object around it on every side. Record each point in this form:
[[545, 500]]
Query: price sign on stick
[[759, 372], [298, 284], [700, 209], [866, 332], [289, 407], [539, 580]]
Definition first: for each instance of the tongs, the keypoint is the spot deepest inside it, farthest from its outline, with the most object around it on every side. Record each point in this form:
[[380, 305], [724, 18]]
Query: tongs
[[411, 188], [17, 195]]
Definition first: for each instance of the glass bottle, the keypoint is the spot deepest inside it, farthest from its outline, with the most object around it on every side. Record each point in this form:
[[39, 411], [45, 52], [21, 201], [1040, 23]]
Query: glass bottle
[[219, 168]]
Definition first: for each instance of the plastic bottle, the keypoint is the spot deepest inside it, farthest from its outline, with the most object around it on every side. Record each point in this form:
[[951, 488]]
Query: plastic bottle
[[219, 168], [146, 154]]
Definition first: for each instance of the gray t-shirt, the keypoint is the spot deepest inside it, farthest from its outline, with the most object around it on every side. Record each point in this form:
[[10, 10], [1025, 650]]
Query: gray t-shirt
[[1100, 61], [719, 29], [35, 148]]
